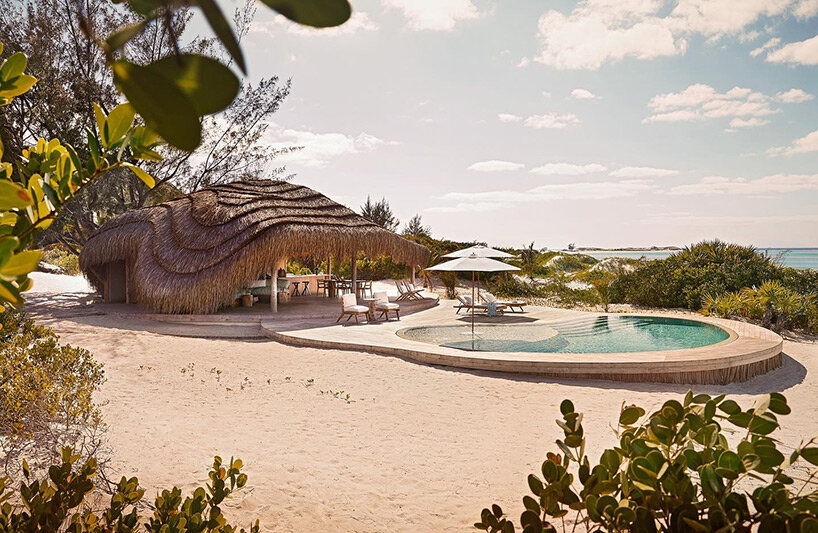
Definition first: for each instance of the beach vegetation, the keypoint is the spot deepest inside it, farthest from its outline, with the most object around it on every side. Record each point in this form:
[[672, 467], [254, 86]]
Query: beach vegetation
[[772, 304], [59, 256], [683, 279], [46, 395], [62, 501], [674, 470]]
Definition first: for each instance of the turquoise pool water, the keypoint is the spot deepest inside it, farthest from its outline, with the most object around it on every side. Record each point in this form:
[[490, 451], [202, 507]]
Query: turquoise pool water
[[593, 334]]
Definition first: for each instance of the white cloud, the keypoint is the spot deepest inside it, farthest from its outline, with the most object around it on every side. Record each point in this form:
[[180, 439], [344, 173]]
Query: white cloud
[[798, 53], [806, 144], [508, 117], [772, 43], [583, 94], [546, 94], [434, 15], [776, 184], [600, 31], [702, 102], [502, 199], [592, 35], [643, 172], [752, 122], [319, 148], [805, 9], [794, 96], [495, 166], [568, 169], [359, 22], [551, 121]]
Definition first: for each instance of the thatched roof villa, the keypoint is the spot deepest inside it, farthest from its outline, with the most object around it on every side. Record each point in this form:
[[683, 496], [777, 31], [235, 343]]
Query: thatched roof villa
[[191, 254]]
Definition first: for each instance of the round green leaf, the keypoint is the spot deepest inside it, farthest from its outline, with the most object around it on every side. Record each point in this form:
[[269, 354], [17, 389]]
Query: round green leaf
[[316, 13], [161, 103], [209, 85]]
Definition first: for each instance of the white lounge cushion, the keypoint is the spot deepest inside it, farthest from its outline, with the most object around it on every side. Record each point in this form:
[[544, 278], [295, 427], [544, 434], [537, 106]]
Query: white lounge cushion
[[389, 306], [356, 309]]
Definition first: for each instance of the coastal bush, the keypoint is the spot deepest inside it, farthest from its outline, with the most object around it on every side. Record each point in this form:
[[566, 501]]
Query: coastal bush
[[59, 502], [674, 471], [59, 256], [775, 305], [684, 278], [46, 394]]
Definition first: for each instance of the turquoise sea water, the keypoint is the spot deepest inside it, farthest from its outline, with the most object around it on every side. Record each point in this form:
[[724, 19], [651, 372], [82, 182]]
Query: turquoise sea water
[[592, 334], [791, 257]]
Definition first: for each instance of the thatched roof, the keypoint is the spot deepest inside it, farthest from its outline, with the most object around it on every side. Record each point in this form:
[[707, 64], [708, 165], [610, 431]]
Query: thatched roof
[[191, 254]]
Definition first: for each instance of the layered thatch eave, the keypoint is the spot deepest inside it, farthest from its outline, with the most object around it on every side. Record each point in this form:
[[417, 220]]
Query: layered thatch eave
[[191, 254]]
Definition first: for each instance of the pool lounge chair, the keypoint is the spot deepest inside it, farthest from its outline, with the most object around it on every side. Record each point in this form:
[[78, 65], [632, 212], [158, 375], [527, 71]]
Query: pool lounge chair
[[385, 306], [511, 304], [407, 291], [466, 303], [349, 306]]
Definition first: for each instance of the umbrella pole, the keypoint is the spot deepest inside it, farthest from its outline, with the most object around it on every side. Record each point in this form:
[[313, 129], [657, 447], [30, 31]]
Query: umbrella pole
[[472, 310]]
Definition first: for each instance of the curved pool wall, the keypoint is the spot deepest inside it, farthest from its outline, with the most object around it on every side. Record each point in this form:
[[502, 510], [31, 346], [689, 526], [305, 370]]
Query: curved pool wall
[[591, 334], [749, 351]]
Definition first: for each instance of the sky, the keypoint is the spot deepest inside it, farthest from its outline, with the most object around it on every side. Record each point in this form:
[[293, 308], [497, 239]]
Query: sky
[[600, 122]]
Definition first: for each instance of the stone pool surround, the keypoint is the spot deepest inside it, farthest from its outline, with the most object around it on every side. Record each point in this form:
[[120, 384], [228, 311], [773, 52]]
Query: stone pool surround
[[749, 351]]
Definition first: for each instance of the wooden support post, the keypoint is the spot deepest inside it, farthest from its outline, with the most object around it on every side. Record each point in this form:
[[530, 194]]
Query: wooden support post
[[413, 273], [355, 274]]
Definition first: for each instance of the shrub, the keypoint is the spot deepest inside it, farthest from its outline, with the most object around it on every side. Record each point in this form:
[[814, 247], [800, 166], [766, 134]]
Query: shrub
[[774, 304], [59, 256], [57, 503], [684, 278], [46, 393], [673, 471], [449, 280]]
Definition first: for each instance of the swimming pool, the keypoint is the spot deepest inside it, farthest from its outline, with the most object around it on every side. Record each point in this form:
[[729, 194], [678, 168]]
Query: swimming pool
[[587, 334]]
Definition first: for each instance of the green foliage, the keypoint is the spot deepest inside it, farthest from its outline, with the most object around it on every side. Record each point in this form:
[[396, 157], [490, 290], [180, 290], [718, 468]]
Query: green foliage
[[58, 256], [449, 280], [684, 278], [380, 213], [58, 502], [43, 386], [772, 303], [51, 174], [174, 92], [415, 228], [674, 470]]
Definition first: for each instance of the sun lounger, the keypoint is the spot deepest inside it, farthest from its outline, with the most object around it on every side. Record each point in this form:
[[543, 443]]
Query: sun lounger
[[511, 304], [407, 291], [466, 303], [349, 306], [385, 306]]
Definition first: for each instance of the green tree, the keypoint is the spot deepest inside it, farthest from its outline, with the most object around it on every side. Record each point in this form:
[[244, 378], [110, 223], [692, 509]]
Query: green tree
[[415, 227], [380, 213]]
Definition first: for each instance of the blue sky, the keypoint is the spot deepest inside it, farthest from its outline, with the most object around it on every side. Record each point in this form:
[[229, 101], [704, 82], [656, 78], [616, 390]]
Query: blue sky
[[603, 122]]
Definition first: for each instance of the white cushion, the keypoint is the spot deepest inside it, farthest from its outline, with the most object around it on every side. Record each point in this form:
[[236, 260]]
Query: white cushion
[[349, 300], [381, 296], [356, 309], [383, 305], [489, 297]]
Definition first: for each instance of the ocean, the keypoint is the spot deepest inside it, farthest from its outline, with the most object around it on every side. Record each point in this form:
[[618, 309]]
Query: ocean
[[791, 257]]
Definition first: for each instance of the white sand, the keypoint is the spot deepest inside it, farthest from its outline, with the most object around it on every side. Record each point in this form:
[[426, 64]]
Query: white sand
[[419, 448], [45, 282]]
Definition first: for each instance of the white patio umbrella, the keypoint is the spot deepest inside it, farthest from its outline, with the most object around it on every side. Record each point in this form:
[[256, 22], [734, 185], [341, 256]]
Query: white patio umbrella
[[473, 263], [480, 251]]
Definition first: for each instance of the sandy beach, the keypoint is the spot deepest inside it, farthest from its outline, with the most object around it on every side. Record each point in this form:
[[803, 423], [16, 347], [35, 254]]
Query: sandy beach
[[414, 448]]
